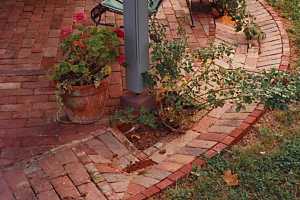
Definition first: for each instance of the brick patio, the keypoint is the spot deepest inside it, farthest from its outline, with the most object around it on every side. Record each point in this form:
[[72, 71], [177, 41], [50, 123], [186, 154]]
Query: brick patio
[[92, 166], [29, 41]]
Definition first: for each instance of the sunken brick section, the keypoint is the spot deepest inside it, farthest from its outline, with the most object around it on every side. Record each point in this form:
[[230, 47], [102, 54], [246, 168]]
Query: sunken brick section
[[94, 166]]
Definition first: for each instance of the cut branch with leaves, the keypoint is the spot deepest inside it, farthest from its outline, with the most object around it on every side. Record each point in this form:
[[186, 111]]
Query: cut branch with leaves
[[182, 88]]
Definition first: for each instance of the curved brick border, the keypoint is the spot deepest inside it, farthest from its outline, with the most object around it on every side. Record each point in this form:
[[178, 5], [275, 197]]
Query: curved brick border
[[222, 141]]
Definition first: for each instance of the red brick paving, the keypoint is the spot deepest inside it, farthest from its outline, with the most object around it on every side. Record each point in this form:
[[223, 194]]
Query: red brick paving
[[29, 41], [76, 169]]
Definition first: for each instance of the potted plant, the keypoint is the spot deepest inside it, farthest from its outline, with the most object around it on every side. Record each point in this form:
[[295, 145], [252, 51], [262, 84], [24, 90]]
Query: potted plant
[[81, 76]]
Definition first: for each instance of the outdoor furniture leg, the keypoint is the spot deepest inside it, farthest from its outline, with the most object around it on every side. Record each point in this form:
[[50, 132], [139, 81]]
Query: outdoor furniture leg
[[189, 5], [96, 15]]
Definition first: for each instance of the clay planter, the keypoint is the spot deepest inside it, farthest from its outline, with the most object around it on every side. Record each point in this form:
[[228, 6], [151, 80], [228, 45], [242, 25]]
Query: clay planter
[[86, 104]]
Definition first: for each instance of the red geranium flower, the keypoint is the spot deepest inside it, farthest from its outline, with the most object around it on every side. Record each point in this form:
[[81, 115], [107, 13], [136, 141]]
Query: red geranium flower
[[120, 33], [79, 17], [65, 32], [78, 44], [121, 59]]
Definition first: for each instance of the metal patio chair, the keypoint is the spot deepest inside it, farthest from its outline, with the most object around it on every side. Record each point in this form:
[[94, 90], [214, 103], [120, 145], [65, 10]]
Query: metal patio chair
[[116, 6]]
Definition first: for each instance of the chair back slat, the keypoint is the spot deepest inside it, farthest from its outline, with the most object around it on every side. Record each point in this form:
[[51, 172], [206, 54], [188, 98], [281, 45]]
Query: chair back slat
[[153, 5]]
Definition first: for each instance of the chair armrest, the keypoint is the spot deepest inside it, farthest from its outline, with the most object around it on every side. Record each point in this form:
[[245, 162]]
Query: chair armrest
[[120, 1]]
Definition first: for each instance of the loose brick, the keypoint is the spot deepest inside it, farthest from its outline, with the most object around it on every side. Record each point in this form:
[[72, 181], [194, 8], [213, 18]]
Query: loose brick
[[40, 91], [50, 52], [119, 187], [106, 168], [186, 168], [32, 99], [164, 184], [194, 151], [44, 105], [182, 159], [169, 166], [250, 120], [4, 86], [115, 91], [217, 137], [144, 181], [52, 167], [236, 133], [14, 107], [151, 191], [8, 100], [77, 173], [65, 157], [135, 188], [204, 124], [37, 84], [228, 140], [219, 147], [48, 195], [115, 177], [65, 187], [19, 184], [176, 175], [114, 145], [15, 92], [210, 153], [204, 144], [40, 183], [198, 162], [5, 192], [139, 196], [116, 78], [220, 129], [20, 123], [91, 192], [158, 174], [97, 146], [5, 115], [105, 188]]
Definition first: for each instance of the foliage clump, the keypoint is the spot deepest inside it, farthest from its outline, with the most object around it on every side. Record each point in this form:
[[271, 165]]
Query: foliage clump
[[182, 88], [131, 116], [87, 53], [244, 22]]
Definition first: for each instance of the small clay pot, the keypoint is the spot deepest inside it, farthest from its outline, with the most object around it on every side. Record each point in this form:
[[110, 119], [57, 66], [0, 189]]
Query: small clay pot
[[86, 104]]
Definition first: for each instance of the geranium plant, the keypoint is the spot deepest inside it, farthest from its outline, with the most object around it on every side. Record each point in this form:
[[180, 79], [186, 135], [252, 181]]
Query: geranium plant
[[80, 77], [87, 53]]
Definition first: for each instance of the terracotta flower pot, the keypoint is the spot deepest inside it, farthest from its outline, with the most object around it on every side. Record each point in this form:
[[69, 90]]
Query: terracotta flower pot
[[85, 104]]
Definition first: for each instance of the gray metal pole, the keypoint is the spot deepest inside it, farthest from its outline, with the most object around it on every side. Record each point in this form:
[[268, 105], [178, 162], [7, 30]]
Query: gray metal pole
[[136, 42]]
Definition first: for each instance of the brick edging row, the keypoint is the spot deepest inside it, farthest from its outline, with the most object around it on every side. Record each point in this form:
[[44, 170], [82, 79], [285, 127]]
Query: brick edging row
[[236, 134]]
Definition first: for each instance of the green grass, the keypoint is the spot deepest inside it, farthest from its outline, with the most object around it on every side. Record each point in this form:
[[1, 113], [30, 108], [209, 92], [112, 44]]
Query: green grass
[[290, 9], [268, 168]]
